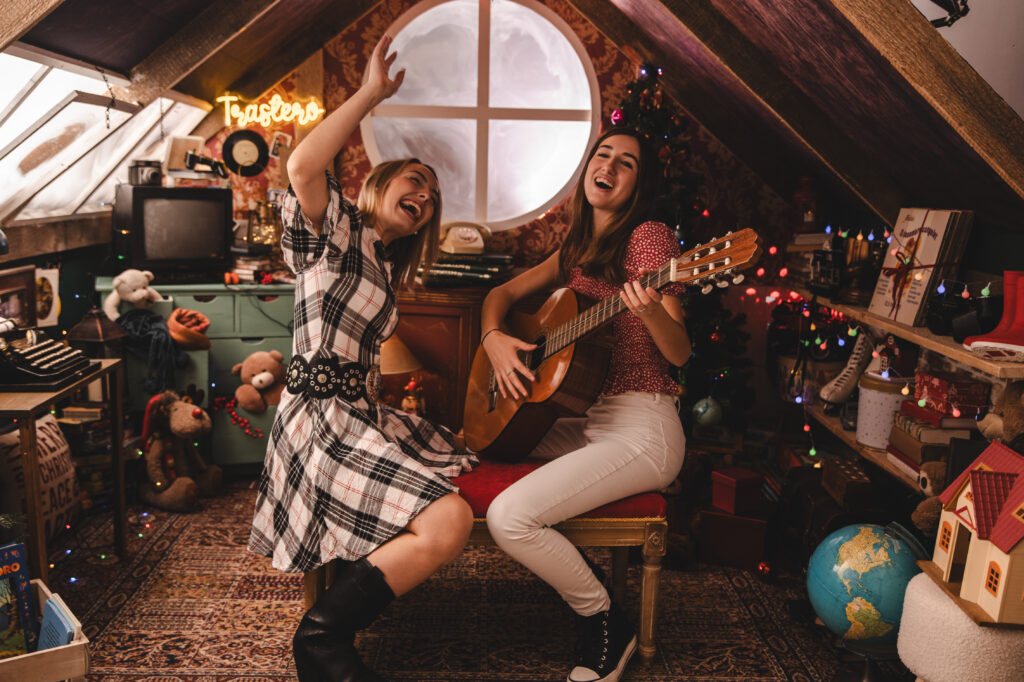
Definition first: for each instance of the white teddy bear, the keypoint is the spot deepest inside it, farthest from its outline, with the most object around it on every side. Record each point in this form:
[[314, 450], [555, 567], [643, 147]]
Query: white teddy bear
[[131, 286]]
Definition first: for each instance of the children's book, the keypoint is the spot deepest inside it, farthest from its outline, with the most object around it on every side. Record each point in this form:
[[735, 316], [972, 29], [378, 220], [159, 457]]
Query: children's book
[[925, 248], [18, 626], [59, 625]]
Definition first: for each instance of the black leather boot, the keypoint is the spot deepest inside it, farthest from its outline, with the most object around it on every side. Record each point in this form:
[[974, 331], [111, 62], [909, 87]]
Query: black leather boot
[[323, 643], [607, 641]]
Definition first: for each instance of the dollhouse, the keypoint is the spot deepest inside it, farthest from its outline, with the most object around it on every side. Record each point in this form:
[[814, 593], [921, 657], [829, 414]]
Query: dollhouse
[[979, 551]]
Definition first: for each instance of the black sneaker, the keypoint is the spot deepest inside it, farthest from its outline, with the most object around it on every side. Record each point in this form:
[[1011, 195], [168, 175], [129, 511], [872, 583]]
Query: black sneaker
[[607, 641]]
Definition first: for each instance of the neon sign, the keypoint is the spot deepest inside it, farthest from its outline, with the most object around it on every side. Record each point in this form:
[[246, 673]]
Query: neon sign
[[275, 111]]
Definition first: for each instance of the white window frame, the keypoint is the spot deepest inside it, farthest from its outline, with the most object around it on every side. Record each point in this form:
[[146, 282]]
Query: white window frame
[[482, 113]]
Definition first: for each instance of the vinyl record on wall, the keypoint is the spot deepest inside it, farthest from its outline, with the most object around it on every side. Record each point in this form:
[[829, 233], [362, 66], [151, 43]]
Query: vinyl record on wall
[[245, 153]]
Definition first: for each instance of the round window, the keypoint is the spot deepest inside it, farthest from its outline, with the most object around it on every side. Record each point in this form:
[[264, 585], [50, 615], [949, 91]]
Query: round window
[[499, 97]]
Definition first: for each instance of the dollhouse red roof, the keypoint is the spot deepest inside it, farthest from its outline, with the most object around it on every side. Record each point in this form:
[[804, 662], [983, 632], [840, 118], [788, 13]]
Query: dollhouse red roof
[[996, 457], [997, 482], [990, 490], [1009, 528]]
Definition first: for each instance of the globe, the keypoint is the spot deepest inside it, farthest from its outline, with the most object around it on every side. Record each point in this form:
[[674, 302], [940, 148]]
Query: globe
[[707, 411], [856, 579]]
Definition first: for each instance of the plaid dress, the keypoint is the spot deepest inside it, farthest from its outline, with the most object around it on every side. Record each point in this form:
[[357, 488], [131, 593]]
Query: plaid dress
[[340, 478]]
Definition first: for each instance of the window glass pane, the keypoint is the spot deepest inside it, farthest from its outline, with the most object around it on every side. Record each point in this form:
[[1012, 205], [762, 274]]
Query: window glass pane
[[529, 162], [447, 145], [51, 90], [134, 140], [14, 75], [58, 143], [438, 49], [179, 120], [532, 62]]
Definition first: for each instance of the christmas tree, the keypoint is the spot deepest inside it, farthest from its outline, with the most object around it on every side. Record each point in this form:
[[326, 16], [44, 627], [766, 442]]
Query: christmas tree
[[715, 380]]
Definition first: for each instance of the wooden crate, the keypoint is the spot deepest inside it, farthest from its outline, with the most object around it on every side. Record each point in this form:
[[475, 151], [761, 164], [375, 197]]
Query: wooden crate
[[69, 662]]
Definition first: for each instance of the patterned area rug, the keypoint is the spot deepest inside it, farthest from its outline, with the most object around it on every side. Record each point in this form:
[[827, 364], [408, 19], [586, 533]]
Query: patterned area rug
[[190, 604]]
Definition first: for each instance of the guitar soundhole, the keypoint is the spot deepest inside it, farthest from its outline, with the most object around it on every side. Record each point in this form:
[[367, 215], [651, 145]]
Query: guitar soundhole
[[533, 358]]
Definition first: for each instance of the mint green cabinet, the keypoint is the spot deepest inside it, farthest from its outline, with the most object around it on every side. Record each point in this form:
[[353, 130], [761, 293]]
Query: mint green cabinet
[[243, 319]]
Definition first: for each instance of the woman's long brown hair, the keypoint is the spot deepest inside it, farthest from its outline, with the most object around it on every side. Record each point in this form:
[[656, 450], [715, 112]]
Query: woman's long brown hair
[[409, 252], [604, 259]]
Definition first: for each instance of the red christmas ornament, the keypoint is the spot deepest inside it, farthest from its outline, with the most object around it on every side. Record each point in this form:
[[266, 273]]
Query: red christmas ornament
[[618, 118]]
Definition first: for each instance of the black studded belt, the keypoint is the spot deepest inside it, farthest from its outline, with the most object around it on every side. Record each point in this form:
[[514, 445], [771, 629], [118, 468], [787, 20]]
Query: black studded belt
[[327, 377]]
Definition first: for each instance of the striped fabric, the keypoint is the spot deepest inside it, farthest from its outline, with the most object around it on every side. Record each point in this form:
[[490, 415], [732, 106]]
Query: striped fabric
[[339, 478]]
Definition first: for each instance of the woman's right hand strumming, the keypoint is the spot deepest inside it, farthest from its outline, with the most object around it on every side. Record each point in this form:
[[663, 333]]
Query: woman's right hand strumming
[[509, 370]]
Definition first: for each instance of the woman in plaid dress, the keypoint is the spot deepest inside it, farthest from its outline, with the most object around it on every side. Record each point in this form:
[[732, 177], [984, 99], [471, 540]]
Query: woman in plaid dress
[[344, 477]]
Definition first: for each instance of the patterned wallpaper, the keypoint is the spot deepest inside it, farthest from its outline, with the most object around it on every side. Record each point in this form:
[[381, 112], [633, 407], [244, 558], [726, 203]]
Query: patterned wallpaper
[[735, 197]]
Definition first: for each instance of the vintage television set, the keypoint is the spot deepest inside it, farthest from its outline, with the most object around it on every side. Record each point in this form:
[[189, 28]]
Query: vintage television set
[[181, 234]]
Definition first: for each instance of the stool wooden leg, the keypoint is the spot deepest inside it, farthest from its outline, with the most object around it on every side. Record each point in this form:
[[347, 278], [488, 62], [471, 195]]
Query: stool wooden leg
[[650, 580], [620, 566]]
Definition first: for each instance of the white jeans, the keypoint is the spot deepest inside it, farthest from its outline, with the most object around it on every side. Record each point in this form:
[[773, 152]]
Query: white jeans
[[627, 444]]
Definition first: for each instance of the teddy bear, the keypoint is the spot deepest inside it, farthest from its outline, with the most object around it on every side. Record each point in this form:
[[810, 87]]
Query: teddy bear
[[132, 286], [262, 375], [1004, 422], [177, 475]]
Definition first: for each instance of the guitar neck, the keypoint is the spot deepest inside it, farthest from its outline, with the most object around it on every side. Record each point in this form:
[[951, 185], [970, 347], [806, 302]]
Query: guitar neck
[[567, 333], [716, 262]]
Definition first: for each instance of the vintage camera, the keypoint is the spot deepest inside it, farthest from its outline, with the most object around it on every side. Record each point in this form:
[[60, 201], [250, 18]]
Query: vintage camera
[[145, 172]]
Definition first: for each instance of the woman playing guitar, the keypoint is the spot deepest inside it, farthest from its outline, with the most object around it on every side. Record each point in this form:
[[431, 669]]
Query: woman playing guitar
[[631, 439]]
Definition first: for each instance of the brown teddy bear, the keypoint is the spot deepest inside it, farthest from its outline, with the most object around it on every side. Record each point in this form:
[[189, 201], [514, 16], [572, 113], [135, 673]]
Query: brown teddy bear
[[262, 375], [177, 474]]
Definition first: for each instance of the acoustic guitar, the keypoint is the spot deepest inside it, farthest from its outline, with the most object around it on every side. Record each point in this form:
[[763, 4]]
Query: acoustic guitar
[[573, 349]]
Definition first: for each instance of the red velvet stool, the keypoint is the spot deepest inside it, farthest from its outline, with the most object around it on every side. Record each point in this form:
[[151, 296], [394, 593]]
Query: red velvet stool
[[636, 521]]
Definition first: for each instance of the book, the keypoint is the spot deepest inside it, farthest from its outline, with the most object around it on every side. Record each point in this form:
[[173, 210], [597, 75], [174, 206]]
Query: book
[[59, 626], [925, 432], [936, 418], [903, 463], [914, 449], [19, 631], [925, 248]]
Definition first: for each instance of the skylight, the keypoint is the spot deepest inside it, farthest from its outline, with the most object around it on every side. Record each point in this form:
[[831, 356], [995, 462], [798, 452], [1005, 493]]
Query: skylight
[[65, 143]]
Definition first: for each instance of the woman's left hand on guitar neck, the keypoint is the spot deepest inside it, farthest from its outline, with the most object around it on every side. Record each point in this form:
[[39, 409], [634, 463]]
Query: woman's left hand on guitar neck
[[662, 315]]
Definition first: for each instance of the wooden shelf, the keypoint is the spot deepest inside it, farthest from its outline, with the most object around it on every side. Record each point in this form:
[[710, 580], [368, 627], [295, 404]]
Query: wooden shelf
[[922, 337], [873, 455]]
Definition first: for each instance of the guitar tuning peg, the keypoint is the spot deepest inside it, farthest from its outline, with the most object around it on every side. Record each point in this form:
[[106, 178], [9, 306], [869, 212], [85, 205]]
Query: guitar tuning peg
[[706, 289], [722, 283], [737, 278]]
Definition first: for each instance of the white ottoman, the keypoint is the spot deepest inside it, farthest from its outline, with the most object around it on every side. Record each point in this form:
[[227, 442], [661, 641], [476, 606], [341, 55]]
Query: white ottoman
[[940, 643]]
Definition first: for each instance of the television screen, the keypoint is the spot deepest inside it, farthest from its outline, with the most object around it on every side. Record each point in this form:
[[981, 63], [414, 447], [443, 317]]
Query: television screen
[[179, 233], [183, 228]]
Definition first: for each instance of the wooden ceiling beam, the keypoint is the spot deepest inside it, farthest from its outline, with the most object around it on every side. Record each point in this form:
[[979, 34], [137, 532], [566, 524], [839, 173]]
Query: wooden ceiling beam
[[298, 46], [191, 46], [696, 36], [945, 80], [22, 15]]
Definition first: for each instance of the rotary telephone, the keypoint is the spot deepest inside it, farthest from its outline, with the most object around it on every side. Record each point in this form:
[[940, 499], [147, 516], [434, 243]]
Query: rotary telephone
[[463, 237]]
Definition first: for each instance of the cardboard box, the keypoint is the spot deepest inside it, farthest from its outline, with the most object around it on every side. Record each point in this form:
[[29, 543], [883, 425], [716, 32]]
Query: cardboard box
[[846, 482], [736, 490], [69, 662]]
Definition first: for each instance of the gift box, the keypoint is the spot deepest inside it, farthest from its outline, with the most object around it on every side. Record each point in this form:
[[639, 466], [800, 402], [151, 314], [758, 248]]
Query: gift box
[[736, 490], [945, 392], [730, 539]]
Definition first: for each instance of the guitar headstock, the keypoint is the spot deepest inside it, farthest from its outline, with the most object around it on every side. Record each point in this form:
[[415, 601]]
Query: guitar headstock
[[719, 262]]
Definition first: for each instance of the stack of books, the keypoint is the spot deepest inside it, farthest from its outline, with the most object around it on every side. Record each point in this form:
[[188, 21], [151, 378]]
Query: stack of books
[[468, 270], [799, 253], [921, 434]]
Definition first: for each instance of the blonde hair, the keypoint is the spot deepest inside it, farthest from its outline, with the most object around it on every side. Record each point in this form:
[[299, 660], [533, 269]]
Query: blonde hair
[[406, 253]]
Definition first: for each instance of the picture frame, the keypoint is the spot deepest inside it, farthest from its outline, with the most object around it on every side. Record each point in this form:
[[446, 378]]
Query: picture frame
[[18, 296]]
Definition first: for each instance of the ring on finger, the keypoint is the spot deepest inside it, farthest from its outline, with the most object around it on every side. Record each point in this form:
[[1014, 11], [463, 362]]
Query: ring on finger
[[641, 309], [510, 372]]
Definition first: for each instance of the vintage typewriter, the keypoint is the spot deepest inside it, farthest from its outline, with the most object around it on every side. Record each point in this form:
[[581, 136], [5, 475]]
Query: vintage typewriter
[[36, 362]]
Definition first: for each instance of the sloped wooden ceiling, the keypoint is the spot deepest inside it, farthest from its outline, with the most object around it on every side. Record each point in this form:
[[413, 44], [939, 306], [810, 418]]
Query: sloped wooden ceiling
[[865, 95], [865, 90]]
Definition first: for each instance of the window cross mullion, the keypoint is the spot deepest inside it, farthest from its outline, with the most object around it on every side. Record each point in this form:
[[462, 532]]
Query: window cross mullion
[[23, 94]]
